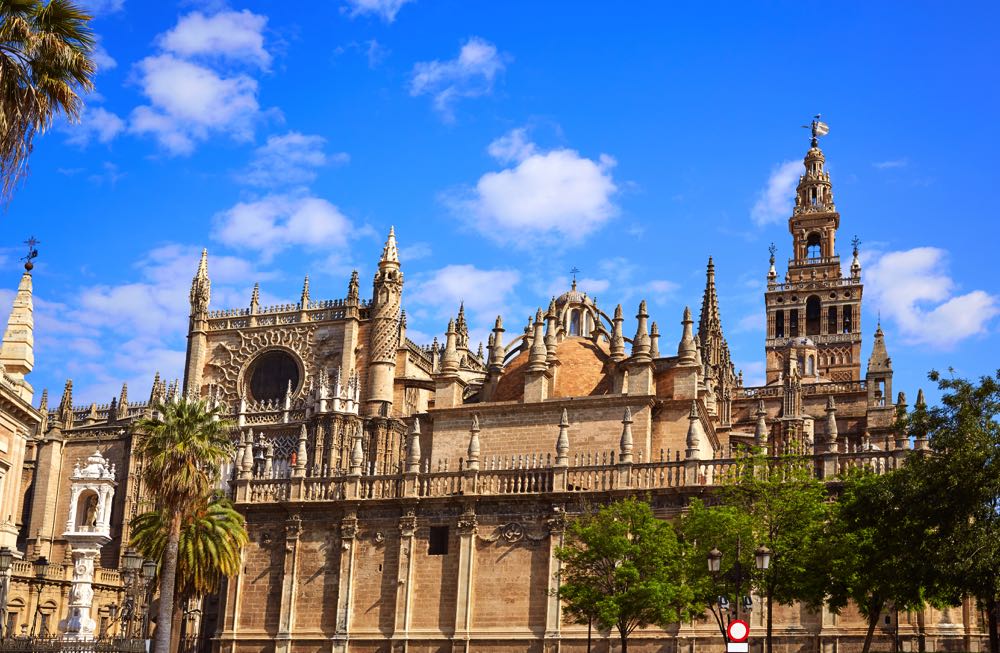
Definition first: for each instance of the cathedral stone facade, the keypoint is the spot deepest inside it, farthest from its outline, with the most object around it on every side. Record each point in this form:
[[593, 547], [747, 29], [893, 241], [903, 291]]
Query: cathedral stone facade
[[409, 497]]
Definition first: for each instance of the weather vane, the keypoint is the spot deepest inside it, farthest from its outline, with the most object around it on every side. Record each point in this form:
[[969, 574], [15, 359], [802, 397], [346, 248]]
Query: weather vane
[[574, 271], [32, 252], [773, 249], [819, 128], [856, 242]]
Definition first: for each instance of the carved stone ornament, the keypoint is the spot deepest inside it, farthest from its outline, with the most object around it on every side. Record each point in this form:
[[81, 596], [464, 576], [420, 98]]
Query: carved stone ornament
[[232, 362], [378, 538], [348, 528], [514, 533], [467, 522], [408, 524]]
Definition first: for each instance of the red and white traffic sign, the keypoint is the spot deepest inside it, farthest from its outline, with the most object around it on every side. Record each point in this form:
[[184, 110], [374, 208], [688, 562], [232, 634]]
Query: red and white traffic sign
[[738, 630]]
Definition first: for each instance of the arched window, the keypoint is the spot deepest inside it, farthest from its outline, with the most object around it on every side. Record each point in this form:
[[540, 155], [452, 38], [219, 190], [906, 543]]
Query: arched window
[[810, 366], [793, 323], [779, 324], [813, 313], [848, 318], [574, 322], [831, 320], [813, 246]]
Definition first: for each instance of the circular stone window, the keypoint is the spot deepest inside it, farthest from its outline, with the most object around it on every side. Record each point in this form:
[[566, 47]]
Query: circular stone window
[[270, 375]]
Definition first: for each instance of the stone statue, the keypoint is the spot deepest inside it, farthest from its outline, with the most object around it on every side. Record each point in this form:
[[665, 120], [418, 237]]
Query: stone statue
[[91, 515]]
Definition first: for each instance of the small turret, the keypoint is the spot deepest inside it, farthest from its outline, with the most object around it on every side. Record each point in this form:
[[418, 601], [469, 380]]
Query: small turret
[[383, 335], [617, 337], [640, 343], [201, 287], [496, 345], [654, 341], [562, 442], [687, 350], [539, 352]]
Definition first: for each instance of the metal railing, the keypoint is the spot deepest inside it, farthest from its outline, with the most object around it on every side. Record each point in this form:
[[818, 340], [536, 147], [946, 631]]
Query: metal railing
[[53, 644]]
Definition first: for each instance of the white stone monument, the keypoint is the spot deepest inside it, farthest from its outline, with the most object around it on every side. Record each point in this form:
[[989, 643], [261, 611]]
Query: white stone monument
[[87, 530]]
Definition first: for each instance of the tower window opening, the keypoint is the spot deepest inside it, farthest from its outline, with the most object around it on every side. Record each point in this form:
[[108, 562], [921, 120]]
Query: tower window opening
[[848, 322], [810, 366], [812, 196], [574, 323], [779, 324], [813, 313], [813, 245], [831, 320], [793, 323]]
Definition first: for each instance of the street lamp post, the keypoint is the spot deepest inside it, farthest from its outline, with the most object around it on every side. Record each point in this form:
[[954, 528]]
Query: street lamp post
[[762, 561], [148, 574], [40, 565], [6, 558], [131, 565]]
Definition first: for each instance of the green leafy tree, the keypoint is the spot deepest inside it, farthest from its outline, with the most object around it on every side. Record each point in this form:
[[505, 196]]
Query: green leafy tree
[[962, 486], [46, 51], [182, 451], [730, 530], [624, 568], [876, 545], [788, 508]]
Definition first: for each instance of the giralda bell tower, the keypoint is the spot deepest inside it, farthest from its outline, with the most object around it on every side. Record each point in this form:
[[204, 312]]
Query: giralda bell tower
[[816, 300]]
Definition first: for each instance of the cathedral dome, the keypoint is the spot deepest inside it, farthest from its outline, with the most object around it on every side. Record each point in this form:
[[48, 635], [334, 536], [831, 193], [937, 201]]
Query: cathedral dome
[[581, 371], [573, 296]]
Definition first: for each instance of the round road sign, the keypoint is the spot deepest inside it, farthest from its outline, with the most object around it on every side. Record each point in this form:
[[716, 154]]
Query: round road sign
[[738, 631]]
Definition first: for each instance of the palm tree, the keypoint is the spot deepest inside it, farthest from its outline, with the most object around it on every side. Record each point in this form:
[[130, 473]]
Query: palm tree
[[45, 63], [182, 450], [213, 534]]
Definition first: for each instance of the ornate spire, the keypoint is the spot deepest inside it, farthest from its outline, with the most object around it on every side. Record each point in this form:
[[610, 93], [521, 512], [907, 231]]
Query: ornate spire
[[814, 193], [617, 338], [625, 445], [390, 253], [687, 350], [304, 299], [879, 360], [472, 462], [17, 353], [255, 298], [449, 360], [352, 288], [640, 343], [539, 352], [65, 410], [43, 404], [496, 346], [461, 328], [562, 442], [201, 287], [123, 401]]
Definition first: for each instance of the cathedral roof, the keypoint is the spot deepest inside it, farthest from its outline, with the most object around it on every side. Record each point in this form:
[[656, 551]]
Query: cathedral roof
[[573, 296], [581, 371]]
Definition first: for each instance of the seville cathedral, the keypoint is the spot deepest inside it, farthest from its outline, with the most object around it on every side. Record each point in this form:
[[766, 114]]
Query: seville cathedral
[[405, 496]]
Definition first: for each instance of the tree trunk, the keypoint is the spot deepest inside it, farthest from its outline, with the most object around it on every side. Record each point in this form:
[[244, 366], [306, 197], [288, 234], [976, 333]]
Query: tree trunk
[[168, 578], [175, 623], [590, 627], [624, 638], [992, 621], [874, 612]]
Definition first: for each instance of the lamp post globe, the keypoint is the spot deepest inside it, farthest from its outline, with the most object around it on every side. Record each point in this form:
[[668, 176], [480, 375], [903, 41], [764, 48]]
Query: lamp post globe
[[714, 560], [6, 558], [149, 570], [131, 561], [40, 564], [762, 557]]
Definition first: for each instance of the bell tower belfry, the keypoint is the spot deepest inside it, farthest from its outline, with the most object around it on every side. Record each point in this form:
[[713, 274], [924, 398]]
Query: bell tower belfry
[[816, 300]]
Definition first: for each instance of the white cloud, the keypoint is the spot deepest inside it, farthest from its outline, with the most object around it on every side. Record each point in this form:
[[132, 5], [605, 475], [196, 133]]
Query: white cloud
[[469, 75], [275, 222], [486, 293], [385, 9], [913, 289], [512, 147], [189, 102], [96, 123], [752, 322], [102, 59], [775, 201], [414, 251], [289, 160], [894, 163], [232, 35], [754, 373], [548, 197]]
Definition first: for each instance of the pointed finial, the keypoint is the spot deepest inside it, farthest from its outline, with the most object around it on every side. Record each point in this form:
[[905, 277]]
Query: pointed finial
[[562, 442], [920, 399], [472, 462], [255, 296], [352, 288], [625, 444], [390, 253], [305, 293], [413, 448]]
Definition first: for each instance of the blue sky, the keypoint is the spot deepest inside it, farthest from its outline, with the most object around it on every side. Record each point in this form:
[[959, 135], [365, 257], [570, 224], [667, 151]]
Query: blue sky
[[508, 143]]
